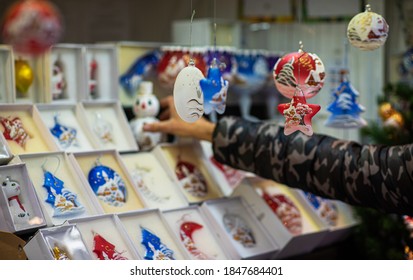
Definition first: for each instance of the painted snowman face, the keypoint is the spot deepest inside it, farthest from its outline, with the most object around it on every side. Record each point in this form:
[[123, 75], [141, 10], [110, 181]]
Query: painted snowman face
[[11, 188], [146, 105]]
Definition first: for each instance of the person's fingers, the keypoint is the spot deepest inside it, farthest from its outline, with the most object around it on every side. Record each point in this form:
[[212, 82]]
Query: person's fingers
[[166, 101], [156, 127], [165, 114]]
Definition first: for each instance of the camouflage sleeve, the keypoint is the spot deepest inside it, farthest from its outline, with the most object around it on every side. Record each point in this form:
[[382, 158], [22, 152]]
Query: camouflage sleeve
[[375, 176]]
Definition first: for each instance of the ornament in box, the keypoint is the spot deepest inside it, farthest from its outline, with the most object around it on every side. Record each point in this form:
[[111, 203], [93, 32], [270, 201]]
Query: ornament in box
[[145, 108], [11, 188]]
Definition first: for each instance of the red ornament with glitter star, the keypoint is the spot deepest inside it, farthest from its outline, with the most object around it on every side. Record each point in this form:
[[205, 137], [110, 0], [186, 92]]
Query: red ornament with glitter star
[[299, 69], [32, 26], [14, 130]]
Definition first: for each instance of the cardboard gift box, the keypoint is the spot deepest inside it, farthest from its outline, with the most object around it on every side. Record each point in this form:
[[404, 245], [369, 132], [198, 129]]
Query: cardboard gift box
[[105, 238], [63, 242], [105, 174], [292, 224], [7, 80], [62, 194], [20, 210], [152, 236], [240, 228], [187, 165], [157, 187]]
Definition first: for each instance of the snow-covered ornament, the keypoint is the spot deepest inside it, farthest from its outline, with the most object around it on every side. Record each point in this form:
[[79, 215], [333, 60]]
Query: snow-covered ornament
[[299, 69], [65, 135], [367, 30], [145, 108], [187, 93]]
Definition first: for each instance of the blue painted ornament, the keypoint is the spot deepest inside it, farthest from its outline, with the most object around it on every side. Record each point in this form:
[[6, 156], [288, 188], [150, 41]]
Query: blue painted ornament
[[65, 135], [344, 108], [141, 68], [108, 185], [63, 201], [155, 249], [214, 88]]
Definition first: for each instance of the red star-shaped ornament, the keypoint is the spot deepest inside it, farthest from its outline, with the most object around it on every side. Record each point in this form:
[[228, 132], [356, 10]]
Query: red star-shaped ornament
[[298, 115]]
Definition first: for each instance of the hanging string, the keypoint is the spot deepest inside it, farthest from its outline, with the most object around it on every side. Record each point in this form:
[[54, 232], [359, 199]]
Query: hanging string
[[191, 61], [215, 30]]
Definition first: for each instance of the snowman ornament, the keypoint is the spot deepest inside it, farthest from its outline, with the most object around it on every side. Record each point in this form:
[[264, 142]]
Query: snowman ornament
[[145, 109], [12, 190]]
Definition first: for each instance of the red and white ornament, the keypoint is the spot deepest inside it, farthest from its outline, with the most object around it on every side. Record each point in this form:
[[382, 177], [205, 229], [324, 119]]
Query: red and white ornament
[[367, 30], [32, 26]]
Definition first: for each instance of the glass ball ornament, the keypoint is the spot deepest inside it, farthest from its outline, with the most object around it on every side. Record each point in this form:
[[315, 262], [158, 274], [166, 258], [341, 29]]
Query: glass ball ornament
[[32, 26], [299, 69], [367, 30]]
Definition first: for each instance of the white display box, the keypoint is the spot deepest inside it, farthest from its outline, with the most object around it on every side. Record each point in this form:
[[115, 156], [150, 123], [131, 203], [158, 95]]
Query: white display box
[[227, 177], [344, 221], [313, 230], [26, 119], [157, 188], [68, 240], [149, 226], [45, 171], [196, 233], [67, 73], [6, 155], [7, 83], [67, 128], [36, 91], [238, 226], [129, 53], [101, 73], [109, 125], [109, 228], [108, 178], [20, 210], [187, 165]]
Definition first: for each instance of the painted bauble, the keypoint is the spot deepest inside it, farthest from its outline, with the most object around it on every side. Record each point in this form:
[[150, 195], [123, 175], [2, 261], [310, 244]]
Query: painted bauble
[[367, 30], [299, 69]]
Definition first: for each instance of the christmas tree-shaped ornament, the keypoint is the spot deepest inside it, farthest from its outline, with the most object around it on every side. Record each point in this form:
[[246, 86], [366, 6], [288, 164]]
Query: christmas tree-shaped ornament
[[187, 93], [367, 30], [285, 210], [15, 131], [105, 250], [214, 88], [155, 249], [107, 184], [187, 229], [239, 230], [65, 135], [298, 114], [344, 108], [191, 178]]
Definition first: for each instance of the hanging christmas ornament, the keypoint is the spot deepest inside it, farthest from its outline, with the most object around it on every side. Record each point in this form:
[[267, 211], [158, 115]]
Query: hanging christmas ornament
[[326, 209], [93, 76], [225, 59], [344, 108], [191, 178], [299, 69], [298, 114], [239, 230], [155, 249], [142, 68], [105, 250], [65, 135], [32, 26], [187, 93], [14, 130], [63, 201], [214, 88], [23, 75], [58, 80], [390, 116], [107, 184], [286, 211], [186, 232], [145, 108], [367, 30], [12, 190]]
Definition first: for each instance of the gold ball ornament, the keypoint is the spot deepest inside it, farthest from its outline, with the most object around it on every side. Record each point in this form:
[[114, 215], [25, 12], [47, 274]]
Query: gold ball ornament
[[367, 30], [395, 120], [23, 75], [385, 110]]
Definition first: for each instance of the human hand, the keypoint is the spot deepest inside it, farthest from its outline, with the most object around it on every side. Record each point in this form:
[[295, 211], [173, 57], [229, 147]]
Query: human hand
[[171, 123]]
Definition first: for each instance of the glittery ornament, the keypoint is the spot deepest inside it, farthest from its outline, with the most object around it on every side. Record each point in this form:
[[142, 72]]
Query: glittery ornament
[[390, 116], [299, 69], [239, 230], [187, 229], [367, 30], [14, 130], [286, 211], [23, 75], [155, 249], [191, 179], [32, 26], [105, 250]]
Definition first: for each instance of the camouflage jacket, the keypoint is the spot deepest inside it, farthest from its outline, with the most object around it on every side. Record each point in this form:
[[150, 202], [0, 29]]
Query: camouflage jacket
[[374, 176]]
